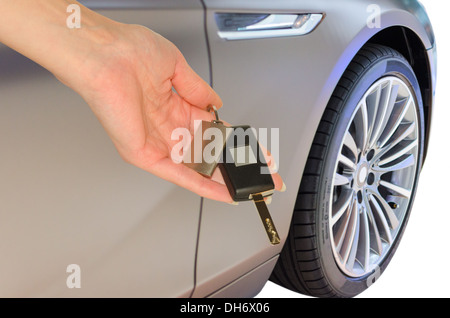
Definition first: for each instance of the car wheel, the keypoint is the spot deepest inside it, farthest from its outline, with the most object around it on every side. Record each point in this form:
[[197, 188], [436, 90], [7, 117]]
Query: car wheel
[[359, 181]]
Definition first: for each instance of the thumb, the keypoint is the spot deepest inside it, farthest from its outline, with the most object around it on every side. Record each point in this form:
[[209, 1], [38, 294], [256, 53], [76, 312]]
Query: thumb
[[191, 87]]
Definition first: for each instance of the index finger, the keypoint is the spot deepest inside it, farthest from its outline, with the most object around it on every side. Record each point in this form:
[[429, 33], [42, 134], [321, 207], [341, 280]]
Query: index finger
[[191, 87]]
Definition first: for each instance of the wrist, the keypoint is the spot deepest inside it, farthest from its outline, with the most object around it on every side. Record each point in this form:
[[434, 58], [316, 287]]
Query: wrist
[[82, 51], [40, 30]]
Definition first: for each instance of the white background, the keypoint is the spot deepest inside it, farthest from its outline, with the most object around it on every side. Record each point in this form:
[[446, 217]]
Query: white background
[[421, 265]]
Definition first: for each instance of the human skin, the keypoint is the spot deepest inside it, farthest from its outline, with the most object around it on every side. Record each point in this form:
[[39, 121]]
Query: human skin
[[136, 82]]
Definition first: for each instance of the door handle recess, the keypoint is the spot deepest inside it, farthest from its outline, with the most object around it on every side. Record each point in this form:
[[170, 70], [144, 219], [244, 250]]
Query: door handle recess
[[245, 26]]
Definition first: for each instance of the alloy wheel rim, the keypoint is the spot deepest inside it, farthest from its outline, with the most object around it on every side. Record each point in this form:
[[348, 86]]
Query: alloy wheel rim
[[374, 177]]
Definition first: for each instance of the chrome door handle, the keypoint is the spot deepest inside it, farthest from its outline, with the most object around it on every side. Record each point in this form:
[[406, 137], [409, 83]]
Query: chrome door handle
[[245, 26]]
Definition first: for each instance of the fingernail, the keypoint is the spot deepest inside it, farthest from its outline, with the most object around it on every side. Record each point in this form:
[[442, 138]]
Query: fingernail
[[269, 200], [273, 167], [234, 203], [283, 188]]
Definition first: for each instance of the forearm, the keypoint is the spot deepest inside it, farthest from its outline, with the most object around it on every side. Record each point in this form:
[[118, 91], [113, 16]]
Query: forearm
[[38, 30]]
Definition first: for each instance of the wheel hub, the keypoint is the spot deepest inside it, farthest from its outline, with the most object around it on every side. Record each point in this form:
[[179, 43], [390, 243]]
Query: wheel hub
[[362, 174]]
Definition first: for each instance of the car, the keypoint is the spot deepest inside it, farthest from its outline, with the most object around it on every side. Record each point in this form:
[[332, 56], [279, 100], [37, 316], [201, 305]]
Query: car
[[349, 87]]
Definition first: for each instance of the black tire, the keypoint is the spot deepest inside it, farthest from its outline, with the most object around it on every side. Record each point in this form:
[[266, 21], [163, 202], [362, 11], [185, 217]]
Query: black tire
[[306, 263]]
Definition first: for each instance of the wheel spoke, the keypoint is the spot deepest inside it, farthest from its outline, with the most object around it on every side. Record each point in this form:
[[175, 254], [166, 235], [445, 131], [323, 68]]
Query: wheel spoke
[[340, 180], [350, 234], [382, 219], [397, 189], [372, 101], [375, 238], [387, 100], [406, 162], [363, 253], [349, 142], [393, 220], [362, 127], [350, 260], [403, 131], [396, 118], [342, 231], [341, 205], [347, 162], [397, 152], [388, 108]]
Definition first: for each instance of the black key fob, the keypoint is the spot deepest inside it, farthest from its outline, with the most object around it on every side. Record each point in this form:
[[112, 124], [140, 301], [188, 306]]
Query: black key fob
[[241, 165]]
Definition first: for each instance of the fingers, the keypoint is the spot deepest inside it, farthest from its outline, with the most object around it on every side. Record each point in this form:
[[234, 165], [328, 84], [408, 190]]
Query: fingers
[[212, 188], [191, 87]]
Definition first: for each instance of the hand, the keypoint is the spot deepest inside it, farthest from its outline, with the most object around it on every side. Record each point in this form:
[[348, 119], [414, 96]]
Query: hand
[[131, 94]]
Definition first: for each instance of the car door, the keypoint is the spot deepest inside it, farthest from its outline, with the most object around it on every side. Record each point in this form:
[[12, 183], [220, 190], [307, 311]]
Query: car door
[[66, 197]]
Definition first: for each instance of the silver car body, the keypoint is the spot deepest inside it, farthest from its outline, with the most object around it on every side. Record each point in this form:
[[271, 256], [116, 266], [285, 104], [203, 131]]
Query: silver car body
[[66, 197]]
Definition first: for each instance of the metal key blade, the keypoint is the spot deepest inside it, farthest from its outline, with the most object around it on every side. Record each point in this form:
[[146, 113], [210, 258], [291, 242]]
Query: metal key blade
[[266, 219]]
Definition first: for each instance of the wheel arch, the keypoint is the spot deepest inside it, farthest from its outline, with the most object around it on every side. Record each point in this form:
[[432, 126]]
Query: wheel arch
[[413, 39], [409, 44]]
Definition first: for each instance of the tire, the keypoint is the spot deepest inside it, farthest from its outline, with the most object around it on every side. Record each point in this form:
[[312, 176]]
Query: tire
[[351, 212]]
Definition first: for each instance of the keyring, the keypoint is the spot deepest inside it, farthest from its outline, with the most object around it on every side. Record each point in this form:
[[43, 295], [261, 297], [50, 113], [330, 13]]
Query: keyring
[[212, 108]]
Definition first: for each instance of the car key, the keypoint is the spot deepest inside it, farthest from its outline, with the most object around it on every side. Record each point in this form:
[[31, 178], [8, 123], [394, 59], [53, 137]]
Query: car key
[[241, 166]]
